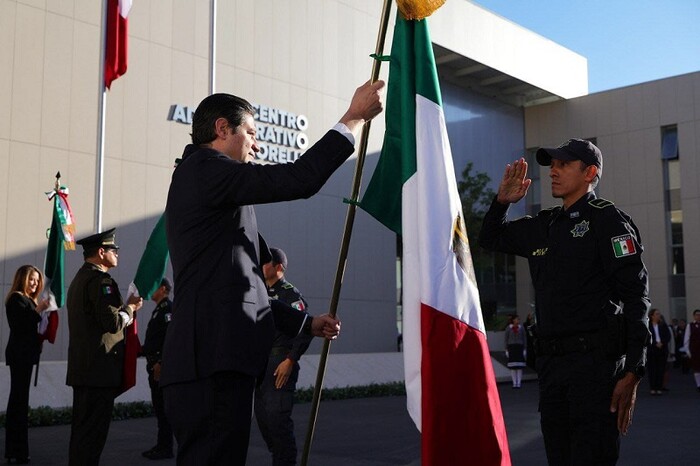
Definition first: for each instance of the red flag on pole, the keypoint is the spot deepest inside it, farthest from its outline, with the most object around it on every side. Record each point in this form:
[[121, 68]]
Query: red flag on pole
[[117, 37], [131, 352]]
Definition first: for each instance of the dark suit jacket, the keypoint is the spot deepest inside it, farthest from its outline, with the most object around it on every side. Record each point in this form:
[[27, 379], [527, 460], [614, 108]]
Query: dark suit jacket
[[23, 346], [222, 319]]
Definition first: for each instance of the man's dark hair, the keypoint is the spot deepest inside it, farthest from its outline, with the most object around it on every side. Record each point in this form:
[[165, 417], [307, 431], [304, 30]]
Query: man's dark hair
[[216, 106], [90, 251]]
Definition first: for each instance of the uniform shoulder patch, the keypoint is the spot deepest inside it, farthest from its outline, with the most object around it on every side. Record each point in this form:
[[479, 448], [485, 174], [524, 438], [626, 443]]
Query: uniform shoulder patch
[[299, 305], [287, 286], [107, 286], [623, 246], [600, 203]]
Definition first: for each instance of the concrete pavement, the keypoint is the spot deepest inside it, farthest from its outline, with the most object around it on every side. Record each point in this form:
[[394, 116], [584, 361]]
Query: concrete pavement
[[378, 432]]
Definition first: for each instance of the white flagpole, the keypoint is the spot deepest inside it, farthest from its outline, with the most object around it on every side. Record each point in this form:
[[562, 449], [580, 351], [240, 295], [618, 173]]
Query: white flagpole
[[102, 103], [212, 48]]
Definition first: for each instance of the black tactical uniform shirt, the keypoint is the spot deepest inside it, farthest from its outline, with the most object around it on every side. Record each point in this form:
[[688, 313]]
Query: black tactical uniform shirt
[[155, 331], [287, 293], [585, 264]]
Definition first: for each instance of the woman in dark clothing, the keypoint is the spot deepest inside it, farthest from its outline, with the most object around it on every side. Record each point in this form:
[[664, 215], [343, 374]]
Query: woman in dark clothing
[[657, 351], [22, 352]]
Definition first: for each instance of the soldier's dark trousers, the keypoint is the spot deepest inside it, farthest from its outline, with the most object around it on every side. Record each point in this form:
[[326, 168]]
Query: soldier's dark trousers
[[273, 411], [656, 366], [575, 395], [211, 418], [165, 432], [92, 414], [16, 421]]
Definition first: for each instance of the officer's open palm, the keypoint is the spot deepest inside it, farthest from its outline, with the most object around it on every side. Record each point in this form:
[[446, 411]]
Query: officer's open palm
[[514, 184], [282, 373]]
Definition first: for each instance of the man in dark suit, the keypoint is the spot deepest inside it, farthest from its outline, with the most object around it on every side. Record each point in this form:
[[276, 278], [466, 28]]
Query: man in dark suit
[[97, 317], [223, 326]]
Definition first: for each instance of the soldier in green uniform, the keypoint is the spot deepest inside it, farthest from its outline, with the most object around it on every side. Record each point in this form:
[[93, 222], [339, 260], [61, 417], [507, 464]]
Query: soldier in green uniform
[[97, 317]]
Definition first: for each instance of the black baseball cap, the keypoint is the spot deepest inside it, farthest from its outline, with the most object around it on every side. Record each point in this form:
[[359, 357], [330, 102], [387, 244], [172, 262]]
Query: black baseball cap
[[573, 149], [279, 257]]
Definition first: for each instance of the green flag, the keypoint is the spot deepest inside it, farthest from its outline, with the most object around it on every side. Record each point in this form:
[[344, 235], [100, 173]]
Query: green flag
[[61, 237], [153, 261]]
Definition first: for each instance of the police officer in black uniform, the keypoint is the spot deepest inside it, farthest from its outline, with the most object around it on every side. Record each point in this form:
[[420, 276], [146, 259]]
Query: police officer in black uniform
[[152, 349], [591, 302], [274, 396], [97, 317]]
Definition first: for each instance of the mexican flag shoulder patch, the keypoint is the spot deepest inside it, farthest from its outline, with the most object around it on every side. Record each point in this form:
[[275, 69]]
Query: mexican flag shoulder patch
[[623, 245]]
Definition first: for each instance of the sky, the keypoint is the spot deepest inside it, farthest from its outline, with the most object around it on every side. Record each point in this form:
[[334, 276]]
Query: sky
[[625, 41]]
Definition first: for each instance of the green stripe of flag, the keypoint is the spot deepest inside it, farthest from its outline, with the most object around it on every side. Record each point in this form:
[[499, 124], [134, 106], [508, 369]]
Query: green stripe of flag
[[54, 263], [153, 262], [397, 163]]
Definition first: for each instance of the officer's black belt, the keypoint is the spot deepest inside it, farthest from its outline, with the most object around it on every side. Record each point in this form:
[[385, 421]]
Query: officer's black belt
[[573, 344], [280, 351]]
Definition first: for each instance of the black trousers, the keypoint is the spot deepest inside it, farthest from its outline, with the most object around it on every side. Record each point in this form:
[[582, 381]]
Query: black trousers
[[92, 414], [273, 411], [211, 418], [575, 395], [165, 432], [656, 366], [17, 417]]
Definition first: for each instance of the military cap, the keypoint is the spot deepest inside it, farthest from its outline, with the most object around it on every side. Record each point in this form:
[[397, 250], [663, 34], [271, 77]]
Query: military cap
[[99, 240]]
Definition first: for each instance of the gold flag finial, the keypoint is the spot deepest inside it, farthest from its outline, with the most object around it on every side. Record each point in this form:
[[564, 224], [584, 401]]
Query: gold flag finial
[[418, 9]]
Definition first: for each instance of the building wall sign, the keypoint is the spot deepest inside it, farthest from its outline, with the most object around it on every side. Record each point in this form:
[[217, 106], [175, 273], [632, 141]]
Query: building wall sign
[[281, 134]]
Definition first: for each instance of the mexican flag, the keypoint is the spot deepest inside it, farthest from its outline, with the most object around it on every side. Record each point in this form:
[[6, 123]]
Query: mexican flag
[[450, 384], [117, 39], [61, 238], [154, 260], [149, 274]]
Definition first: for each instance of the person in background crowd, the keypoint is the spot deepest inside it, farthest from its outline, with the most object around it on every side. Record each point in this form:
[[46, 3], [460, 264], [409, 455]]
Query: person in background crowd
[[152, 349], [691, 345], [671, 358], [516, 349], [22, 353], [657, 351], [681, 356]]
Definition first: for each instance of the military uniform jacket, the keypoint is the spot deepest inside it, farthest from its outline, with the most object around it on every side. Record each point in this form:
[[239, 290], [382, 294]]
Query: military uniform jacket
[[96, 329], [155, 332], [222, 319], [585, 264], [289, 294]]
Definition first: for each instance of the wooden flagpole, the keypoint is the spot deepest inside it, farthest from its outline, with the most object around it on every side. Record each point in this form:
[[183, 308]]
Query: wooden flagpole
[[347, 233]]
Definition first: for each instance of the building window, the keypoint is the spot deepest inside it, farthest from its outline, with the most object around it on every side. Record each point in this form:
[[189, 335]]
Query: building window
[[670, 159], [669, 142]]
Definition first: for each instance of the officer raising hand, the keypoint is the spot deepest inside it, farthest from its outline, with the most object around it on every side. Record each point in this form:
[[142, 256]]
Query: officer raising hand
[[591, 293]]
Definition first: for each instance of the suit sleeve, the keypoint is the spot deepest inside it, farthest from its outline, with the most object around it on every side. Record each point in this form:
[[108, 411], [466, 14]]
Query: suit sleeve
[[621, 254], [226, 182]]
